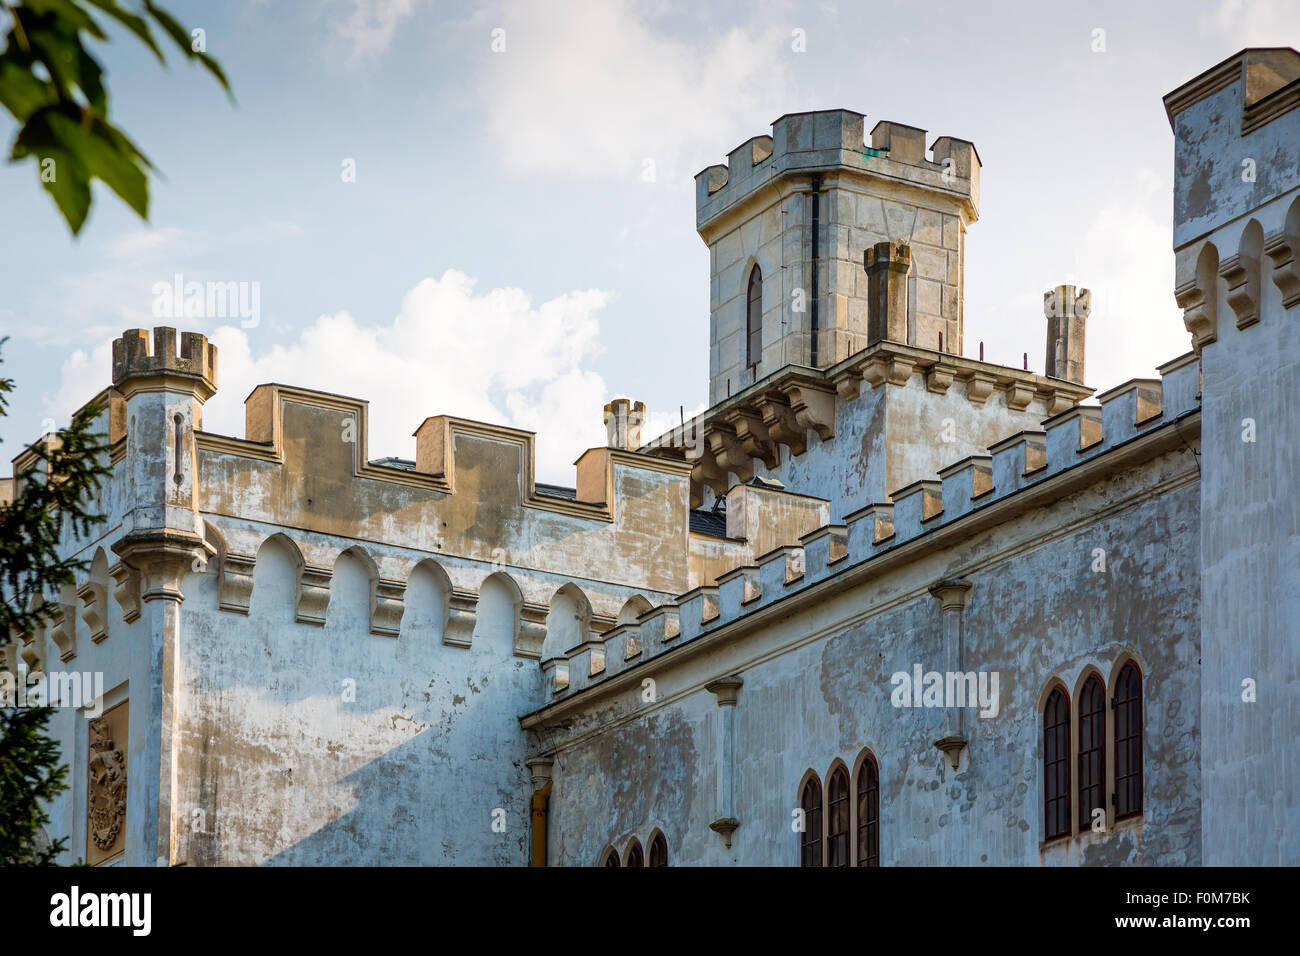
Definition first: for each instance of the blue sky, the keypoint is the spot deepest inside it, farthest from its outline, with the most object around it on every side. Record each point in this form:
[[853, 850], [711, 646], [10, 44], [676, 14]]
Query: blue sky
[[499, 254]]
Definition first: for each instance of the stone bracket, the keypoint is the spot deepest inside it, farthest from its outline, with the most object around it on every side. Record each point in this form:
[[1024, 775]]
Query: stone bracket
[[94, 604], [532, 630], [388, 604], [461, 612], [1240, 274], [813, 407], [1197, 317], [1286, 271], [313, 595], [782, 424], [126, 590], [63, 631], [235, 588]]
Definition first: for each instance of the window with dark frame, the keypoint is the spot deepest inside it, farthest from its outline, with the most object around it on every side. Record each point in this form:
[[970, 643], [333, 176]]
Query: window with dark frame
[[634, 856], [754, 319], [659, 850], [868, 794], [1056, 765], [837, 821], [611, 858], [1127, 705], [1092, 750], [810, 840]]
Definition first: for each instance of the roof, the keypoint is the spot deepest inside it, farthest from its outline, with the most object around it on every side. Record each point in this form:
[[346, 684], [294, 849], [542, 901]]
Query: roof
[[709, 522]]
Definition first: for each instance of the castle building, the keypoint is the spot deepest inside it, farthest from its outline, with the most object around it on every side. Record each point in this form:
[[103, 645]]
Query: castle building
[[879, 604]]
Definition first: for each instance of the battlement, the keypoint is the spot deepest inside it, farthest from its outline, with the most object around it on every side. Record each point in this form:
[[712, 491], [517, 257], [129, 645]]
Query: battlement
[[834, 141], [196, 359], [1136, 421]]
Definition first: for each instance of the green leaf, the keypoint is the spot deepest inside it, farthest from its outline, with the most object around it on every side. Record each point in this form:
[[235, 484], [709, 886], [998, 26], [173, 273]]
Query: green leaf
[[83, 147], [182, 40], [21, 92], [135, 24], [73, 16]]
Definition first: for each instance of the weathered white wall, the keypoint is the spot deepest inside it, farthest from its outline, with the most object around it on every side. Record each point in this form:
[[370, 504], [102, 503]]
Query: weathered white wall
[[816, 689]]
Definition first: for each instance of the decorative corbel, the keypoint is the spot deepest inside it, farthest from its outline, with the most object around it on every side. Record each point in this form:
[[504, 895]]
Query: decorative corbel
[[782, 425], [729, 453], [461, 612], [753, 436], [1240, 274], [126, 590], [94, 603], [1019, 395], [313, 595], [235, 587], [387, 604], [532, 630], [813, 407], [63, 631], [1286, 271], [727, 691], [1198, 314]]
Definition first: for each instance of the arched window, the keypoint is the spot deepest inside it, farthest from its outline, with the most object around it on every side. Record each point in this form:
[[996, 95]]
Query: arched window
[[810, 841], [611, 858], [1056, 765], [837, 838], [634, 855], [1092, 750], [1128, 742], [659, 850], [754, 319], [868, 813]]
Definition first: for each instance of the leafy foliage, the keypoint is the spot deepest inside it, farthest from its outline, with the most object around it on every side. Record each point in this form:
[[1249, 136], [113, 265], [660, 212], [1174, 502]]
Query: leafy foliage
[[59, 489], [55, 89]]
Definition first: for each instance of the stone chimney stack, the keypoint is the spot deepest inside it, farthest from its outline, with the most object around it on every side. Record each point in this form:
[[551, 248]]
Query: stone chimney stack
[[887, 266], [1067, 311], [623, 421]]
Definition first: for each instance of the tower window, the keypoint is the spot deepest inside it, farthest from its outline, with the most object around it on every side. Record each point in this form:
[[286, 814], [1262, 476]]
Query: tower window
[[1128, 742], [1056, 765], [754, 319]]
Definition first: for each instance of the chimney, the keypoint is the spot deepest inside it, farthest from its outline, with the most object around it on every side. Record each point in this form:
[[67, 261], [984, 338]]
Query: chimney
[[623, 421], [887, 266], [1067, 312]]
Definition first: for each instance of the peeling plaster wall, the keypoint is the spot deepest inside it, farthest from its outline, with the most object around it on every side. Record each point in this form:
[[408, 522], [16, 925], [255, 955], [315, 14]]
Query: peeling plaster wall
[[816, 688], [285, 771]]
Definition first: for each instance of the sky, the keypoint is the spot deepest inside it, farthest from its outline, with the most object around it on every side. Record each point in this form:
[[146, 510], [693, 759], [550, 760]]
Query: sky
[[444, 209]]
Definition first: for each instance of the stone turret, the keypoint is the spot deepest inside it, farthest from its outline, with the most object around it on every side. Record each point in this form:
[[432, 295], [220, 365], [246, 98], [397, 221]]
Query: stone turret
[[164, 390], [802, 206]]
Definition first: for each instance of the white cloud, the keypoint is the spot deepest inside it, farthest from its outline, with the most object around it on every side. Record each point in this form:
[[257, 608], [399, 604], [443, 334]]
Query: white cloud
[[492, 357], [367, 30], [1243, 23], [1124, 256], [595, 89]]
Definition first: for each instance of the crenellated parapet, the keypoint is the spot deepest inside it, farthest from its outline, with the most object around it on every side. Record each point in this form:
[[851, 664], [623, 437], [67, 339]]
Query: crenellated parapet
[[1132, 424]]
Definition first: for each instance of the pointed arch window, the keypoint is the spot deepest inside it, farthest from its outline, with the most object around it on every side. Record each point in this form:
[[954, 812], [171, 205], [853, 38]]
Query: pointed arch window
[[1056, 765], [659, 850], [837, 823], [611, 859], [1092, 749], [868, 793], [635, 857], [810, 840], [1127, 705], [754, 319]]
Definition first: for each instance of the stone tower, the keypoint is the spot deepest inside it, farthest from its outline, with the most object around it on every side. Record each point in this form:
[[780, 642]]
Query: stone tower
[[805, 206], [1237, 261]]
